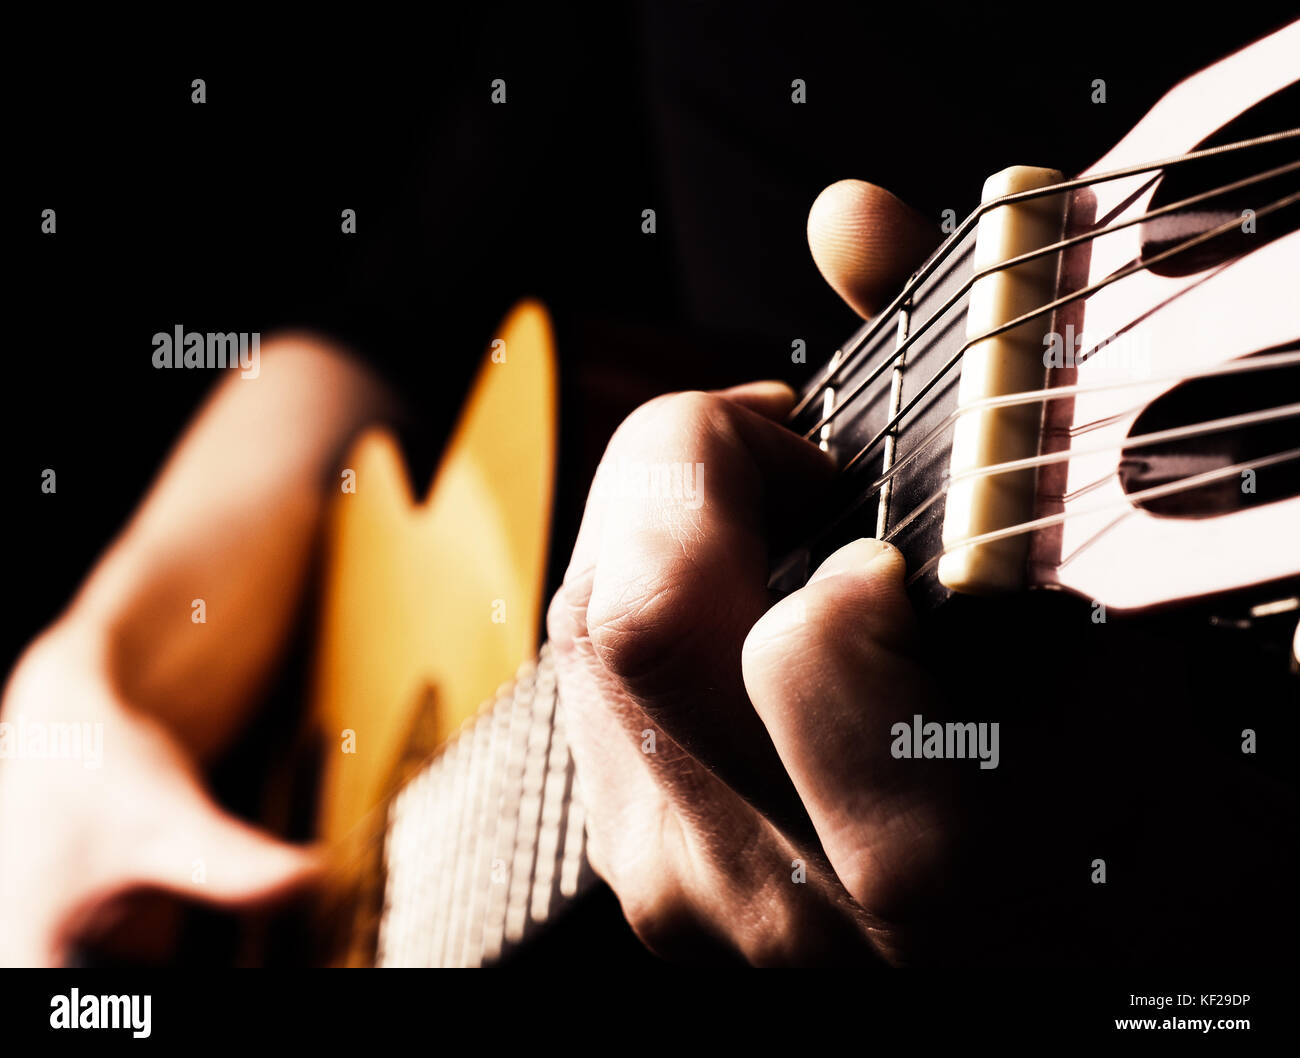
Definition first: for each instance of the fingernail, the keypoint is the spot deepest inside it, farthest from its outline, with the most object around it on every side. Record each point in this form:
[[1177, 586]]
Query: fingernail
[[768, 386], [769, 399], [851, 558]]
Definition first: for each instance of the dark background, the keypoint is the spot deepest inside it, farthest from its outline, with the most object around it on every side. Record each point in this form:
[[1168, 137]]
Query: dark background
[[226, 216]]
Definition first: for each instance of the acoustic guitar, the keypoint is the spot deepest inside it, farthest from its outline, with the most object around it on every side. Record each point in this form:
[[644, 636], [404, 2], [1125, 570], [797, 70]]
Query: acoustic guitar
[[1091, 387]]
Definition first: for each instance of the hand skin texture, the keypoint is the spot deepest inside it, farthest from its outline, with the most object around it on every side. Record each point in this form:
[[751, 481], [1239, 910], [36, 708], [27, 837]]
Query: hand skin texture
[[733, 751], [770, 723]]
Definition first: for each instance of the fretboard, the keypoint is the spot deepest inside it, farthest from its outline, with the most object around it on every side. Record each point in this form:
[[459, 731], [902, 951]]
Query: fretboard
[[485, 845], [892, 364]]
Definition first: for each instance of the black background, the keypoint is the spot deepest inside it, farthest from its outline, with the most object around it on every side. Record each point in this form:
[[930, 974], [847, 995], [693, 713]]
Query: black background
[[226, 216]]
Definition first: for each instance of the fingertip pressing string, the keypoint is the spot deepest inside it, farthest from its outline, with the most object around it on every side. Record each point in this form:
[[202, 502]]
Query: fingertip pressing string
[[841, 358], [897, 422]]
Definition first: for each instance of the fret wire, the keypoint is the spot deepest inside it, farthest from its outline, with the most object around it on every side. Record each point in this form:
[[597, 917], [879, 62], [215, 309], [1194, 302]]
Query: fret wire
[[406, 817], [484, 839], [468, 844], [552, 816], [530, 806], [895, 399], [504, 847], [416, 792], [389, 926], [445, 789], [373, 828], [438, 853], [1051, 306], [1042, 251], [841, 360], [411, 813], [458, 759], [937, 258]]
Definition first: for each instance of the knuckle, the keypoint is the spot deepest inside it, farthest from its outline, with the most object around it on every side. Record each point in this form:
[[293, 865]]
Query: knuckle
[[659, 912], [636, 863], [565, 621], [642, 627], [662, 921]]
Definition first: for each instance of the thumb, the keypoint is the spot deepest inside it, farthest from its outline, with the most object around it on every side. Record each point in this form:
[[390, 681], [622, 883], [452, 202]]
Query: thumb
[[866, 242], [770, 399]]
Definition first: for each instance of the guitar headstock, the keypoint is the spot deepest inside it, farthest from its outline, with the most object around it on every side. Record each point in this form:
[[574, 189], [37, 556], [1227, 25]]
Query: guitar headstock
[[1177, 483], [1094, 384]]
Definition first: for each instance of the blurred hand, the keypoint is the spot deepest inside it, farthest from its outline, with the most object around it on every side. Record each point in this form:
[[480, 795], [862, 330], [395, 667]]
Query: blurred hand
[[126, 814], [232, 518]]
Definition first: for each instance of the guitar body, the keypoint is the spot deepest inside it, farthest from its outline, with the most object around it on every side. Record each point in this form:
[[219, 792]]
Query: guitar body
[[430, 602]]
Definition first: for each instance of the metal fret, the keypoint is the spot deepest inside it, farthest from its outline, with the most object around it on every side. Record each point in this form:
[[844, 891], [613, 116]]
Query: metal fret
[[895, 402], [489, 817], [828, 406], [458, 772], [512, 787], [530, 807], [488, 841], [552, 816]]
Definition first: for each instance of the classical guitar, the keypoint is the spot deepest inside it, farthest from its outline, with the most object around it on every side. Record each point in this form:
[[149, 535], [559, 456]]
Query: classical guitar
[[1090, 387]]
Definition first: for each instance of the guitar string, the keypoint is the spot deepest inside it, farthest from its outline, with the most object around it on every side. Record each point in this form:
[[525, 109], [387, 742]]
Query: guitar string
[[1265, 362], [840, 358], [898, 351], [1169, 488], [1165, 489], [1114, 277], [1146, 439], [373, 825], [377, 822], [1143, 440], [378, 831], [1126, 503], [372, 828], [1087, 291]]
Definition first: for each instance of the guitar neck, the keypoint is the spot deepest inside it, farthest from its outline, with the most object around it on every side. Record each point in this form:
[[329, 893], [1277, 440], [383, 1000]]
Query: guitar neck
[[947, 421], [486, 844]]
